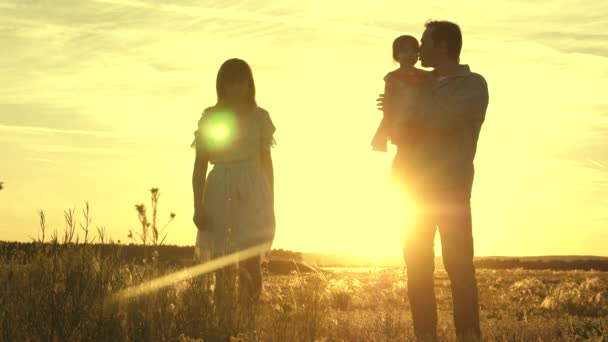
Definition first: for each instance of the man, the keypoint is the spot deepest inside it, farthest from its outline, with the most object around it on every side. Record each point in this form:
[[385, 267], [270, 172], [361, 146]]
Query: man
[[437, 172]]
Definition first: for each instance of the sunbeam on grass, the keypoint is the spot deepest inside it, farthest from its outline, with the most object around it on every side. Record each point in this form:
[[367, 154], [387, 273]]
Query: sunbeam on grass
[[191, 272]]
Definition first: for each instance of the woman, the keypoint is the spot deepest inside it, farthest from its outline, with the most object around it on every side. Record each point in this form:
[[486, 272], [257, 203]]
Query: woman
[[234, 204]]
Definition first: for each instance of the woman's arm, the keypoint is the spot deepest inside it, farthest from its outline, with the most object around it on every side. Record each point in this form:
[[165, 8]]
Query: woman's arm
[[199, 175], [266, 159]]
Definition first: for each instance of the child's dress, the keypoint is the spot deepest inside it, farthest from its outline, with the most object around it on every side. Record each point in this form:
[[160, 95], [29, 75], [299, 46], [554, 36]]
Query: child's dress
[[238, 200], [400, 88]]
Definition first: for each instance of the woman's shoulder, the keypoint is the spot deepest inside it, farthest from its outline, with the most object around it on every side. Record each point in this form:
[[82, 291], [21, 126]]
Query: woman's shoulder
[[260, 111], [197, 133], [210, 110], [265, 122], [261, 114], [257, 112], [206, 113]]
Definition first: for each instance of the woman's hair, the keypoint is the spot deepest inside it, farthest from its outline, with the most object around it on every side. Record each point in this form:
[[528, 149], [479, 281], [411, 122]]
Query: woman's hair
[[234, 71], [402, 43]]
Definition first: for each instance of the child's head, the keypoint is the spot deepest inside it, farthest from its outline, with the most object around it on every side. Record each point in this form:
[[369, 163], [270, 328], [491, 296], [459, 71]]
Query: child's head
[[405, 50]]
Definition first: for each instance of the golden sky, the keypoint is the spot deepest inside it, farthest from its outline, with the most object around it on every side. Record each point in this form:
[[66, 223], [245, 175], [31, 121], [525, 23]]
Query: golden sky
[[99, 100]]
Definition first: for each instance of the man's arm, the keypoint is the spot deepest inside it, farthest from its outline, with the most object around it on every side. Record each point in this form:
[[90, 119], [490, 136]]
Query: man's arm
[[466, 104]]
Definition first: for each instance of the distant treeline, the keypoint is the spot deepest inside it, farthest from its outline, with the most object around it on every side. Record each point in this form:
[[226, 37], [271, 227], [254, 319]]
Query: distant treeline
[[22, 252], [282, 254], [540, 264]]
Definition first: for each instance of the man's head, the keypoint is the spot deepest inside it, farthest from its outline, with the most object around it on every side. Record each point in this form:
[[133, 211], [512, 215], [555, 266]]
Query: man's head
[[441, 42]]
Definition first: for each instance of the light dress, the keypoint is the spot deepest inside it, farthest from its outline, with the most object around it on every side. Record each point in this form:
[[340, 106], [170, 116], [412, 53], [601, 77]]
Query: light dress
[[238, 201]]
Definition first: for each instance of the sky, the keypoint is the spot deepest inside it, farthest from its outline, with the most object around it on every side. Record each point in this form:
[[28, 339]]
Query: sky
[[100, 99]]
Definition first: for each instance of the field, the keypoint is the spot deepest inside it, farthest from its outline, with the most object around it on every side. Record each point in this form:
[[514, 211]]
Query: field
[[61, 291], [64, 288]]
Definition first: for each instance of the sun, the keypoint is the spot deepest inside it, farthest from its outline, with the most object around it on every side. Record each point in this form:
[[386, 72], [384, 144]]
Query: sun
[[383, 226]]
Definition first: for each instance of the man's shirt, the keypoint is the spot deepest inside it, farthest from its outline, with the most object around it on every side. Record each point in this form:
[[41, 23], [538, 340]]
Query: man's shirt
[[449, 114]]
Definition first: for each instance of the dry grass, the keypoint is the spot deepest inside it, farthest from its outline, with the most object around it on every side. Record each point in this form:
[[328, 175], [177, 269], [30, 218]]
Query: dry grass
[[59, 292]]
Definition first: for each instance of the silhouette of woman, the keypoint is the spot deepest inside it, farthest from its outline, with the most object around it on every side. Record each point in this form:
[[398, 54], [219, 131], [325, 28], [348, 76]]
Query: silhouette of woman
[[234, 204]]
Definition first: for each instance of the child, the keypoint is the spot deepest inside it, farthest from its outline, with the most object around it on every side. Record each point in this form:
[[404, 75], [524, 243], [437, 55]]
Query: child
[[399, 86], [234, 203]]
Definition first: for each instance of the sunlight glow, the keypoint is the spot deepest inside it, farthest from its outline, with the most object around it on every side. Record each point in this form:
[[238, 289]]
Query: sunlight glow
[[307, 62], [402, 208], [220, 129], [382, 227], [189, 273], [219, 132]]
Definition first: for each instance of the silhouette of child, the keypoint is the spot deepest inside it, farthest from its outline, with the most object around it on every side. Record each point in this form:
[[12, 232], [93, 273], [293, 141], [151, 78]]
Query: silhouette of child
[[399, 87]]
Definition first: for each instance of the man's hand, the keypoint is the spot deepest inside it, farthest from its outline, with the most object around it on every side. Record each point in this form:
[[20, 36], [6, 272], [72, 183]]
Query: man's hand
[[199, 219], [380, 102]]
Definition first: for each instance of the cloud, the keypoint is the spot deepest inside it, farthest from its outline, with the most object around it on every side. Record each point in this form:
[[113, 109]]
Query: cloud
[[42, 160], [589, 43], [288, 19], [70, 149], [50, 116], [111, 80], [33, 129]]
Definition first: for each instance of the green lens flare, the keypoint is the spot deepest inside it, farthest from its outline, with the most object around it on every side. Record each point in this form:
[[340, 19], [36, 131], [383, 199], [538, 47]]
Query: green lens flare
[[220, 130]]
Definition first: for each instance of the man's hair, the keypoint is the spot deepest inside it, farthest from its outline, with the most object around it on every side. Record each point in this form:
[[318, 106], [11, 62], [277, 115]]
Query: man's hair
[[402, 43], [448, 32]]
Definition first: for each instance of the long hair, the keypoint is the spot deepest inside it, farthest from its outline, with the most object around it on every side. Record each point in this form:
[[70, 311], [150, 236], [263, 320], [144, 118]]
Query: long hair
[[230, 109], [235, 71]]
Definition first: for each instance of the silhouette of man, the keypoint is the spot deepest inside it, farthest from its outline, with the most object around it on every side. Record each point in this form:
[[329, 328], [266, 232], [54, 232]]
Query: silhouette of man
[[437, 171]]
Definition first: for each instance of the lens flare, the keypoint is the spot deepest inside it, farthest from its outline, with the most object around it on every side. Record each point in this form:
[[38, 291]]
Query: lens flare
[[220, 130], [188, 273]]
